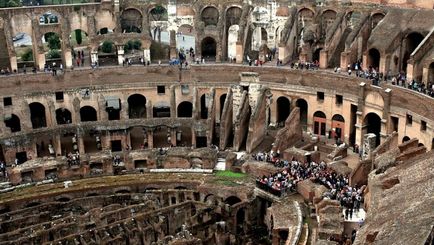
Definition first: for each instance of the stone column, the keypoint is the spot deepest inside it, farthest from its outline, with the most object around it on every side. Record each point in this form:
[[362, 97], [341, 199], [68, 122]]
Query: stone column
[[57, 145], [147, 55], [124, 109], [173, 136], [239, 53], [150, 137], [368, 146], [193, 138], [67, 56], [173, 101], [149, 110], [323, 59], [80, 143], [121, 58], [94, 57]]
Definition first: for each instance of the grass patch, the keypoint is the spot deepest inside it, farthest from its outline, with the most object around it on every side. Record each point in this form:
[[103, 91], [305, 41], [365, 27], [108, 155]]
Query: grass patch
[[230, 174]]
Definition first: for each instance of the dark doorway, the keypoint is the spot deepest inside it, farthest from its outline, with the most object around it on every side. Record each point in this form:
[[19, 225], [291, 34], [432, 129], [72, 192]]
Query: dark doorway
[[201, 141], [374, 58], [162, 111], [63, 116], [13, 122], [353, 121], [302, 104], [203, 107], [283, 110], [37, 115], [411, 42], [87, 114], [136, 106], [209, 47], [372, 123], [21, 156], [185, 109], [116, 145], [405, 139], [240, 221], [316, 55], [319, 123], [222, 104]]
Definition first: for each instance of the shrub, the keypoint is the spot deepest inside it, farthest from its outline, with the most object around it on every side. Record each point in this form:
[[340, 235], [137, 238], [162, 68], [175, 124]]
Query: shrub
[[78, 37], [107, 47], [27, 55], [53, 40], [53, 54]]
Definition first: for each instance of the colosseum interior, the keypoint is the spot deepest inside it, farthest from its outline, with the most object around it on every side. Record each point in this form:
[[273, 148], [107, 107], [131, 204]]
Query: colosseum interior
[[222, 122]]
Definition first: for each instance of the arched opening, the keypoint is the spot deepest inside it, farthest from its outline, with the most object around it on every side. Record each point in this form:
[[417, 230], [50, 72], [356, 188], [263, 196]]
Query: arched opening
[[13, 123], [137, 106], [405, 139], [209, 48], [37, 115], [241, 216], [159, 13], [410, 44], [232, 200], [374, 58], [338, 127], [302, 104], [316, 55], [319, 123], [48, 18], [79, 42], [52, 44], [210, 16], [185, 109], [204, 106], [113, 108], [131, 21], [186, 39], [232, 42], [283, 110], [375, 19], [104, 30], [88, 114], [372, 123], [63, 116], [139, 138], [328, 18], [107, 54], [222, 104], [23, 46]]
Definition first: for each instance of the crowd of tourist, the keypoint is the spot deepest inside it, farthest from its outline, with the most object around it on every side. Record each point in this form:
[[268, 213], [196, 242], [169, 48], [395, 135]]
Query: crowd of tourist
[[293, 172]]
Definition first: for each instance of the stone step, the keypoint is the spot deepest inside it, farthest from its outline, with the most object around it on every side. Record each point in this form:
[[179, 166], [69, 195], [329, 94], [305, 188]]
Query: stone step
[[221, 164]]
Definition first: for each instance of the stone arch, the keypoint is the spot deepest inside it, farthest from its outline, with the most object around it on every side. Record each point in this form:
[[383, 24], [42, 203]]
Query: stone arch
[[304, 108], [185, 109], [410, 43], [209, 48], [186, 38], [283, 109], [131, 21], [374, 58], [49, 18], [319, 123], [158, 13], [210, 15], [63, 116], [328, 17], [204, 107], [13, 123], [88, 114], [338, 127], [23, 44], [372, 124], [232, 200], [53, 46], [376, 18], [405, 139], [37, 115], [211, 199], [136, 106], [233, 15], [305, 16], [183, 10]]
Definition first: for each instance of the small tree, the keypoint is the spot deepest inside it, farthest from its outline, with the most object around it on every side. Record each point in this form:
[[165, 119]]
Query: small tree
[[107, 47], [53, 54], [53, 40], [27, 55]]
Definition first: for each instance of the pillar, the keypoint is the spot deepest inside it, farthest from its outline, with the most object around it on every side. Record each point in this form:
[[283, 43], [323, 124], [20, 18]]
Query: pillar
[[173, 136], [67, 56], [239, 53], [13, 62], [150, 137], [147, 55], [193, 138], [94, 57], [56, 144], [80, 142], [323, 59], [121, 58], [39, 60]]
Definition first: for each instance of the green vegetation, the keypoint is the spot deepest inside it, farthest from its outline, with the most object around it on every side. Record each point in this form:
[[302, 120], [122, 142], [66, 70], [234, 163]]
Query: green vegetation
[[27, 55], [230, 174], [107, 47], [136, 44], [53, 40], [10, 3], [53, 54], [159, 13]]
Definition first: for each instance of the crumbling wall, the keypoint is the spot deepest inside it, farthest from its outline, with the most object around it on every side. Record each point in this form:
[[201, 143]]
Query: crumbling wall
[[226, 126], [242, 122], [258, 124], [291, 133]]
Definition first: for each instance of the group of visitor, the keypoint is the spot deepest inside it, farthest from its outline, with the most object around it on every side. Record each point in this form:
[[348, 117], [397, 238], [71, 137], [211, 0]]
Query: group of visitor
[[293, 172]]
